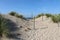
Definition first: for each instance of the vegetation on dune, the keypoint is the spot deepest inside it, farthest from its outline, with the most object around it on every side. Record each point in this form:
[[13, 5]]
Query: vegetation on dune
[[20, 16], [56, 19], [12, 13], [59, 17], [48, 15], [42, 14], [17, 15], [3, 26], [39, 15], [4, 30]]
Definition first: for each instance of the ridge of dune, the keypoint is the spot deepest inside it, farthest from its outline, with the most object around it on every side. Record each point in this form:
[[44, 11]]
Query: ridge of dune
[[44, 30]]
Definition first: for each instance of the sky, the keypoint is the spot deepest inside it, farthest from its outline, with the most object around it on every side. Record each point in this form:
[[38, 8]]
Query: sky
[[29, 7]]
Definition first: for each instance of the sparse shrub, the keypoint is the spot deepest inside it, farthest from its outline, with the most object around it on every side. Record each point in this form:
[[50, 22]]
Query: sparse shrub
[[20, 16], [56, 19], [42, 14], [12, 13], [39, 15], [48, 15], [3, 26], [17, 15], [59, 17]]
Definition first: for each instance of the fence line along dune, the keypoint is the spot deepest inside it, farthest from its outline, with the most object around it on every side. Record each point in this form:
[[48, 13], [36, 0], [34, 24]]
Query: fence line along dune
[[44, 30]]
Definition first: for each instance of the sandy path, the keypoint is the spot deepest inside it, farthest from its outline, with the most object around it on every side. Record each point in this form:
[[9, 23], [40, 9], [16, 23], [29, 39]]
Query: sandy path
[[44, 30]]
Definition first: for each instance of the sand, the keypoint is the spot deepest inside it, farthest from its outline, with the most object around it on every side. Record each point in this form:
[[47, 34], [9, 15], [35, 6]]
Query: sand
[[44, 29]]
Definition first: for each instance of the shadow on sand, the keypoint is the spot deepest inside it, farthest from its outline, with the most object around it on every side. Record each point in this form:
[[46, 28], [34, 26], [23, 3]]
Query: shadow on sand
[[13, 29]]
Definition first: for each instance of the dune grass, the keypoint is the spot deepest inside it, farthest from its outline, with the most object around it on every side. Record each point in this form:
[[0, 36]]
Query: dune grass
[[17, 15], [3, 26]]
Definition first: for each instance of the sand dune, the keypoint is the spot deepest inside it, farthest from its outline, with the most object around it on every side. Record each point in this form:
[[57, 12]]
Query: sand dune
[[44, 30]]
